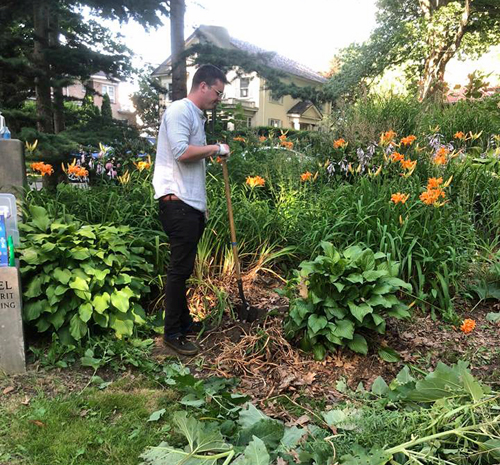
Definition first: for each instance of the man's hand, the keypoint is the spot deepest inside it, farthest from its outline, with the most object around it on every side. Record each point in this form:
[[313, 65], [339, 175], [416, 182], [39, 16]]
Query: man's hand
[[223, 150]]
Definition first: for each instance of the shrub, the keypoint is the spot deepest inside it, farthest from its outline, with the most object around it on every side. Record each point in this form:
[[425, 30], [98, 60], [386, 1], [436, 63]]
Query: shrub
[[78, 277], [341, 294]]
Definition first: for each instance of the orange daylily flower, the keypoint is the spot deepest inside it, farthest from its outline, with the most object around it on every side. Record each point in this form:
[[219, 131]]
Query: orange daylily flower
[[77, 171], [306, 176], [459, 135], [287, 144], [282, 137], [387, 137], [408, 140], [339, 143], [408, 164], [43, 168], [396, 156], [262, 138], [441, 154], [434, 183], [399, 198], [431, 196], [467, 326], [239, 139], [255, 181]]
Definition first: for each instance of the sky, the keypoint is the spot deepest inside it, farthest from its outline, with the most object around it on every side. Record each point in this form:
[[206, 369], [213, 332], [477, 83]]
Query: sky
[[309, 32]]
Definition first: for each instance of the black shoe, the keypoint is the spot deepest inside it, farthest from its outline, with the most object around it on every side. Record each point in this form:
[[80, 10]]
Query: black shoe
[[182, 346], [198, 327]]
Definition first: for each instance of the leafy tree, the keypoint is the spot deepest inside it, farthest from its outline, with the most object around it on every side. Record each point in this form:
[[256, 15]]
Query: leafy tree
[[55, 45], [422, 34], [106, 111], [147, 101]]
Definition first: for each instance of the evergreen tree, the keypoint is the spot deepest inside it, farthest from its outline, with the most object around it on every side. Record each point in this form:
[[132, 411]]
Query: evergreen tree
[[106, 111]]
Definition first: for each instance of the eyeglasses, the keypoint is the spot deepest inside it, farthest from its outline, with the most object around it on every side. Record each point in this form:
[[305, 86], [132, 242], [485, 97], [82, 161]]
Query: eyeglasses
[[220, 93]]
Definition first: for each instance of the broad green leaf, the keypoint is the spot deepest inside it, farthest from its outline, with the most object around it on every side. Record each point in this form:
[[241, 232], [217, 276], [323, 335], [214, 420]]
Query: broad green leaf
[[355, 278], [101, 302], [250, 415], [353, 253], [269, 431], [373, 275], [47, 247], [344, 329], [121, 327], [32, 310], [379, 386], [85, 311], [471, 385], [77, 327], [79, 284], [493, 317], [192, 400], [254, 454], [86, 231], [492, 446], [367, 260], [120, 300], [80, 253], [39, 217], [34, 288], [358, 344], [319, 351], [359, 311], [57, 318], [31, 256], [291, 437], [316, 323], [404, 376], [396, 282], [63, 276], [389, 355], [101, 319], [155, 416]]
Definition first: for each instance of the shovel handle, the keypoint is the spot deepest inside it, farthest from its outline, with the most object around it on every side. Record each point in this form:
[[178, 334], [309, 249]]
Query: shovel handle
[[234, 245]]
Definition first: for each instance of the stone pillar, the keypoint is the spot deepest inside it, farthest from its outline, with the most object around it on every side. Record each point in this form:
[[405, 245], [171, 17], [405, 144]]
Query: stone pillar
[[12, 355], [12, 166]]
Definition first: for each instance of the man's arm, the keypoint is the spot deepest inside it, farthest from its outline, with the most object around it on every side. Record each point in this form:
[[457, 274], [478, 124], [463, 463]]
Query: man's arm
[[195, 152]]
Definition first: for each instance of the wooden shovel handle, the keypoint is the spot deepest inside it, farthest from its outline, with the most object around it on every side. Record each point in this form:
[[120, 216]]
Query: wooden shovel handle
[[234, 244]]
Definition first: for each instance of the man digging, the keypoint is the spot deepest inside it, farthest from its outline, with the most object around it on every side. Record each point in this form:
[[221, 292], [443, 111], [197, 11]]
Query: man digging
[[179, 184]]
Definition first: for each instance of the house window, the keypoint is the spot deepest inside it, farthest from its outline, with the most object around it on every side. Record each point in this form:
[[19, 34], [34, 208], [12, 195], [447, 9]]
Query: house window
[[276, 123], [110, 90], [249, 121], [244, 83], [274, 99], [169, 91]]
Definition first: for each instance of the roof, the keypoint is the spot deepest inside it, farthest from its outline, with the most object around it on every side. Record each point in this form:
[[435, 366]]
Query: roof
[[102, 75], [300, 108], [220, 37]]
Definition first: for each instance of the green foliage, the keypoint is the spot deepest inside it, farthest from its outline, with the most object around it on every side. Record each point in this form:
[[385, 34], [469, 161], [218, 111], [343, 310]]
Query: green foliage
[[341, 294], [79, 277], [106, 111]]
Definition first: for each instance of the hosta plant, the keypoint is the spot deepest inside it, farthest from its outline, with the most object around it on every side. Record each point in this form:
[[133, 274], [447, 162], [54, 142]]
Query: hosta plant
[[340, 295], [77, 277]]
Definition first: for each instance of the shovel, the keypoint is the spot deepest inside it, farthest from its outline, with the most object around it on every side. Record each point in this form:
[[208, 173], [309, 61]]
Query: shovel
[[245, 311]]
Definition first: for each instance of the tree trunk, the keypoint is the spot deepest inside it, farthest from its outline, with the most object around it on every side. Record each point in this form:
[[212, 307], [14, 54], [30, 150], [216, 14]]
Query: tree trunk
[[179, 76], [42, 80], [442, 50], [59, 119]]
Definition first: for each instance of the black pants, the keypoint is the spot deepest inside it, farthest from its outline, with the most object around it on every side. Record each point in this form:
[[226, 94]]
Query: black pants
[[184, 226]]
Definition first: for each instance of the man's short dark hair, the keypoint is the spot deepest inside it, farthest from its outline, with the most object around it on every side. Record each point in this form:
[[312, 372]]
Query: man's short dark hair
[[209, 74]]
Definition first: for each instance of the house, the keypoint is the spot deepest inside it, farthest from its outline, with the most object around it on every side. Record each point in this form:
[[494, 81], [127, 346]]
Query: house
[[102, 85], [249, 92]]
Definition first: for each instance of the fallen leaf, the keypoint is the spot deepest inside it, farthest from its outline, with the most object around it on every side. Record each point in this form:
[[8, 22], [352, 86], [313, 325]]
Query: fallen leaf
[[38, 423], [280, 461], [309, 378], [26, 400], [301, 421], [8, 389], [84, 413]]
